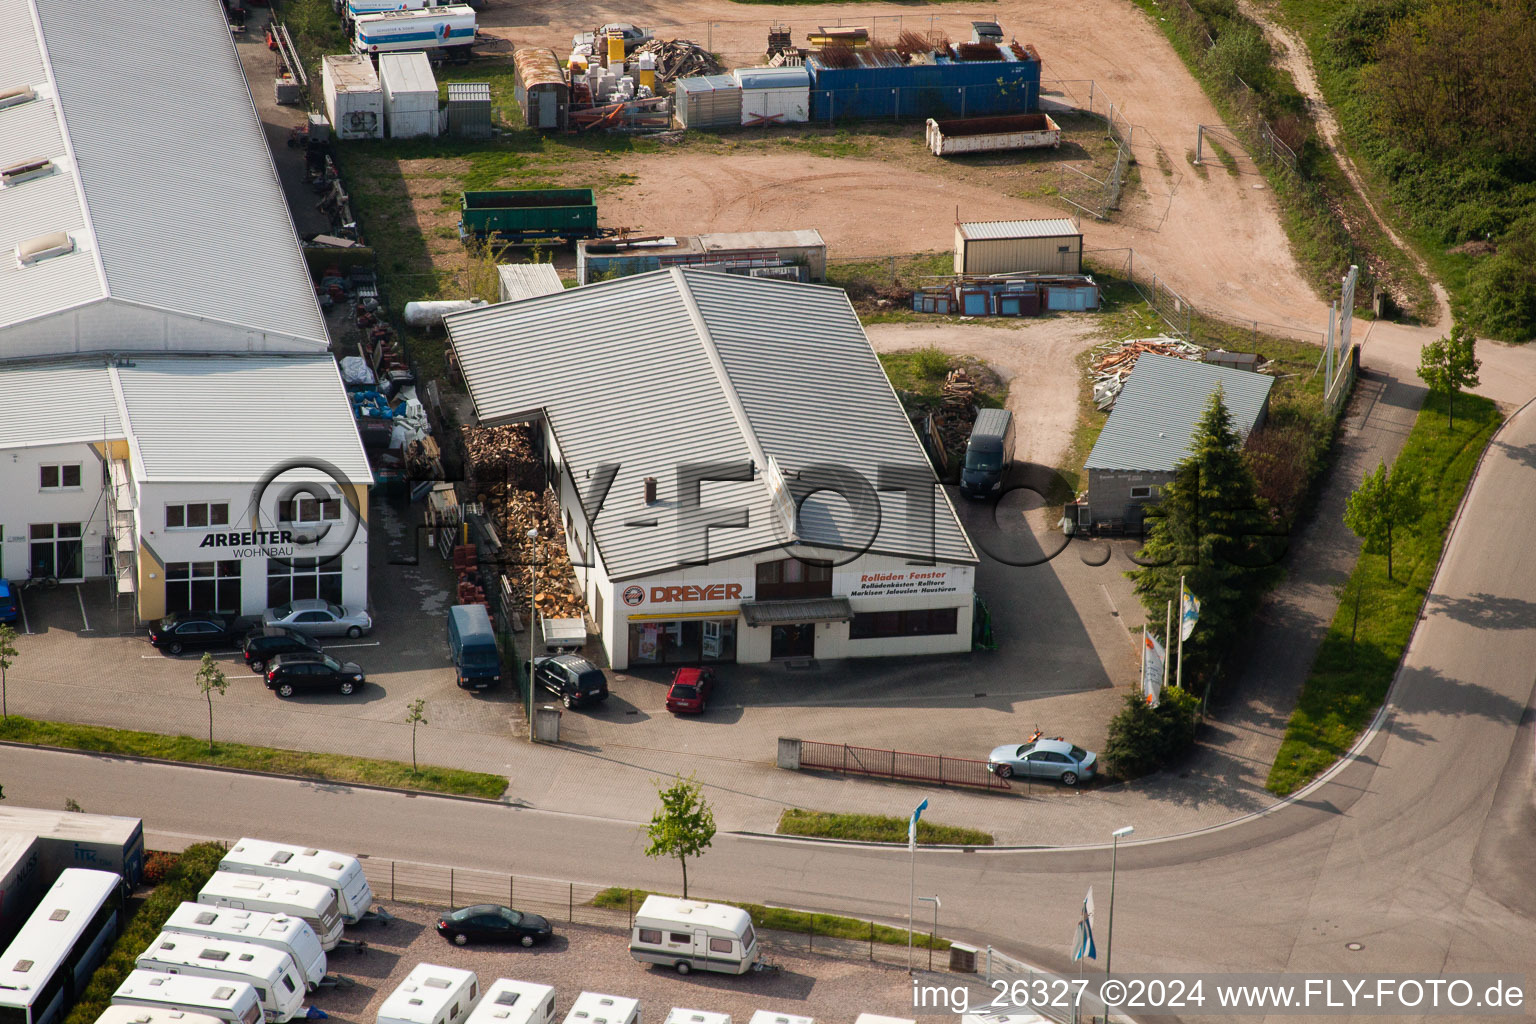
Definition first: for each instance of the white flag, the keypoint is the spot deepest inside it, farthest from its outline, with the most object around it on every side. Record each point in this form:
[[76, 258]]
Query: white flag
[[1153, 657]]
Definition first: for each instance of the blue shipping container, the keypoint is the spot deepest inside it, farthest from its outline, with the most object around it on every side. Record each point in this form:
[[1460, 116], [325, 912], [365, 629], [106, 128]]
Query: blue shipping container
[[945, 88]]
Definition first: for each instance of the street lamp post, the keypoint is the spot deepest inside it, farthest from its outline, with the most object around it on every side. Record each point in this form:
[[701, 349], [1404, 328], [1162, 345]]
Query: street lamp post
[[933, 935], [1114, 853], [533, 620]]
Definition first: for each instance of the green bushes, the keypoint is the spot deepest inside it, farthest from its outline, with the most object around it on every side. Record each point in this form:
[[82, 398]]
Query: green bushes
[[875, 828], [1143, 739], [182, 883]]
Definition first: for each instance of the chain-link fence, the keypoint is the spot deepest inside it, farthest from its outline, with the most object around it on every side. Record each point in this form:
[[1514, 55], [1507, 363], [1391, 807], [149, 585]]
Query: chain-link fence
[[1079, 189]]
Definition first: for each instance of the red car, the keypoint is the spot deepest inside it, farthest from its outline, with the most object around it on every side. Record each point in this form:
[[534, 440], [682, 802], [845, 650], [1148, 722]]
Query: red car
[[690, 691]]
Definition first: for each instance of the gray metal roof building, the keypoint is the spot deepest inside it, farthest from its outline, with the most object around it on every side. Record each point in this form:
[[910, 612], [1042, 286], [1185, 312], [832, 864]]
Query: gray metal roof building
[[678, 366], [158, 170], [527, 280], [985, 229], [1154, 418]]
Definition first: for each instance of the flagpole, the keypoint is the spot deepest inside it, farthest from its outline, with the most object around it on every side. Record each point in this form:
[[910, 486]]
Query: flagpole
[[1179, 677], [911, 895], [1167, 642], [1142, 679]]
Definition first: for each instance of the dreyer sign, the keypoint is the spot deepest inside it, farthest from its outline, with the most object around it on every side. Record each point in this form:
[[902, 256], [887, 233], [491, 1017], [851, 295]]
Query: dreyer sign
[[662, 593], [898, 583]]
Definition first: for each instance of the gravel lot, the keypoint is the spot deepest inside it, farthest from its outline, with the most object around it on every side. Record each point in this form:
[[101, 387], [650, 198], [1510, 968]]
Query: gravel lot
[[587, 958]]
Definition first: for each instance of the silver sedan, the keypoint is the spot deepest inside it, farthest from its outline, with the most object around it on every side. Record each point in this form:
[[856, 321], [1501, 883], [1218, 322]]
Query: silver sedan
[[315, 617], [1044, 759]]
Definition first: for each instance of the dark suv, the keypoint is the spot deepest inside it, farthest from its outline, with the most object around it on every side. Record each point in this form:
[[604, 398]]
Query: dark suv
[[261, 649], [572, 678], [290, 673]]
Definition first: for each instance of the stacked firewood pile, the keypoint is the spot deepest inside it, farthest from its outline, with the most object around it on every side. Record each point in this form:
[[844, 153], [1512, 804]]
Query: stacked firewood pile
[[679, 58], [957, 410], [501, 457], [555, 593]]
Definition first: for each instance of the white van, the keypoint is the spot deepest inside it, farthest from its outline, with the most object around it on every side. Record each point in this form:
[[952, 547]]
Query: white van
[[431, 995], [338, 871], [693, 936], [233, 1002], [151, 1015], [279, 931], [276, 978], [313, 904], [775, 1017], [596, 1008], [682, 1016], [514, 1002]]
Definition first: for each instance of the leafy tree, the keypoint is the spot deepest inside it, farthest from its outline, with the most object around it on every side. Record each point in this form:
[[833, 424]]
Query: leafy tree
[[1382, 501], [1501, 296], [1447, 365], [210, 678], [1212, 528], [415, 714], [1143, 739], [8, 654], [683, 826]]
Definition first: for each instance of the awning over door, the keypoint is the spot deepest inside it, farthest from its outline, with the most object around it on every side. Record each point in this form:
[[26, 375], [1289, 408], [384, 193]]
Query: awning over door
[[815, 609]]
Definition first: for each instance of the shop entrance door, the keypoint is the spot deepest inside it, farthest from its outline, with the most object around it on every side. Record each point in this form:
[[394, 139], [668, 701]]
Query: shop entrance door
[[796, 641]]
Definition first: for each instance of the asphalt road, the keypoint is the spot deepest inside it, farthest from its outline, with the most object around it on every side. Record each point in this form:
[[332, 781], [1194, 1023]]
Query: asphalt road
[[1418, 848]]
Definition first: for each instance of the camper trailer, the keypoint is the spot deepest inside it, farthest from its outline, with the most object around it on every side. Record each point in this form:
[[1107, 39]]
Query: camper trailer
[[514, 1002], [693, 936], [596, 1008], [290, 935], [231, 1002], [313, 904], [682, 1016], [152, 1015], [775, 1017], [338, 871], [275, 977], [431, 995]]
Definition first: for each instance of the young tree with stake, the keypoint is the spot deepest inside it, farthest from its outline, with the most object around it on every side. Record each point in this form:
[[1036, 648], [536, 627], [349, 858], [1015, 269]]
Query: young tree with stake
[[1450, 364], [7, 659], [210, 678], [683, 826], [416, 714], [1382, 501]]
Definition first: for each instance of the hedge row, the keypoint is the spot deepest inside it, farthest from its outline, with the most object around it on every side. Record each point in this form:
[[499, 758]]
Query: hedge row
[[182, 883]]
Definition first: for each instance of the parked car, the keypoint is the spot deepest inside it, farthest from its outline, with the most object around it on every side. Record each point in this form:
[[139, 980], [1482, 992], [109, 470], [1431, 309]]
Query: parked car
[[317, 618], [572, 678], [1044, 759], [633, 37], [261, 648], [491, 923], [187, 630], [690, 691], [10, 611], [290, 673]]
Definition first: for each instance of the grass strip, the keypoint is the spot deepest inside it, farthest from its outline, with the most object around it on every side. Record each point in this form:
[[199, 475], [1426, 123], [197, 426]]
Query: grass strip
[[1355, 664], [782, 920], [875, 828], [330, 767], [182, 883]]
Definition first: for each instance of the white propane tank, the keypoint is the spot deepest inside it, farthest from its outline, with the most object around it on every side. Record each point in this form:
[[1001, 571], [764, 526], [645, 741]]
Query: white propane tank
[[430, 314]]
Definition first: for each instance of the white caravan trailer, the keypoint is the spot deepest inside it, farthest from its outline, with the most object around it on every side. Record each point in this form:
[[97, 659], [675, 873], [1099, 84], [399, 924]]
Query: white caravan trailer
[[875, 1018], [290, 935], [507, 1001], [682, 1016], [693, 936], [596, 1008], [276, 978], [431, 995], [339, 871], [152, 1015], [775, 1017], [313, 904], [233, 1002]]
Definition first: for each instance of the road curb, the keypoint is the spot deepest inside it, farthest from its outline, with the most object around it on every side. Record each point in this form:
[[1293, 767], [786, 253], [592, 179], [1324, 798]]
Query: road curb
[[256, 772]]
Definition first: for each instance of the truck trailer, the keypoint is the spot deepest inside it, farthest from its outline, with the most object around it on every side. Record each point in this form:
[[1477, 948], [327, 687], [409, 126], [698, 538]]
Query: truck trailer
[[442, 33]]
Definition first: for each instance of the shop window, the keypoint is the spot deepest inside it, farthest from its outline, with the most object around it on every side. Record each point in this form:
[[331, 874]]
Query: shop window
[[309, 510], [196, 515], [299, 579], [911, 622], [203, 587], [59, 477], [790, 578]]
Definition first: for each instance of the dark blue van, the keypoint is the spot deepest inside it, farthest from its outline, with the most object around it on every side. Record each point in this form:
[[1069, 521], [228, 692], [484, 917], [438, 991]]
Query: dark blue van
[[472, 642], [9, 611]]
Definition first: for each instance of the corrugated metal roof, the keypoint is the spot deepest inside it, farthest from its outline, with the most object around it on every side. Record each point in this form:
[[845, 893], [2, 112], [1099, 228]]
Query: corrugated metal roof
[[809, 238], [772, 78], [538, 66], [235, 419], [706, 83], [146, 109], [529, 280], [980, 229], [1154, 418], [727, 369], [59, 404], [407, 72]]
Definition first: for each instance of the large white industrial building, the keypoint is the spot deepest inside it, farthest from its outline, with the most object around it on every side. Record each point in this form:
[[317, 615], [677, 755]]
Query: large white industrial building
[[161, 349], [736, 477]]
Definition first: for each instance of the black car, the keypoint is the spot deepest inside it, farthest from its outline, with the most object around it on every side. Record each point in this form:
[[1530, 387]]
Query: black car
[[290, 673], [261, 649], [186, 630], [490, 923], [572, 678]]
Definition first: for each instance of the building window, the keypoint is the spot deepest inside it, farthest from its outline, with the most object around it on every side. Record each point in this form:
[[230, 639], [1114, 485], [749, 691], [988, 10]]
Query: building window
[[309, 510], [651, 936], [1063, 248], [790, 578], [719, 945], [202, 587], [59, 477], [299, 579], [196, 515], [1141, 492], [57, 550], [912, 622]]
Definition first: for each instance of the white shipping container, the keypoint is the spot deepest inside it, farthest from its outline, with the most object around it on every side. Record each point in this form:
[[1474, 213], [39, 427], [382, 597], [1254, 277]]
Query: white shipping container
[[354, 100], [410, 95]]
